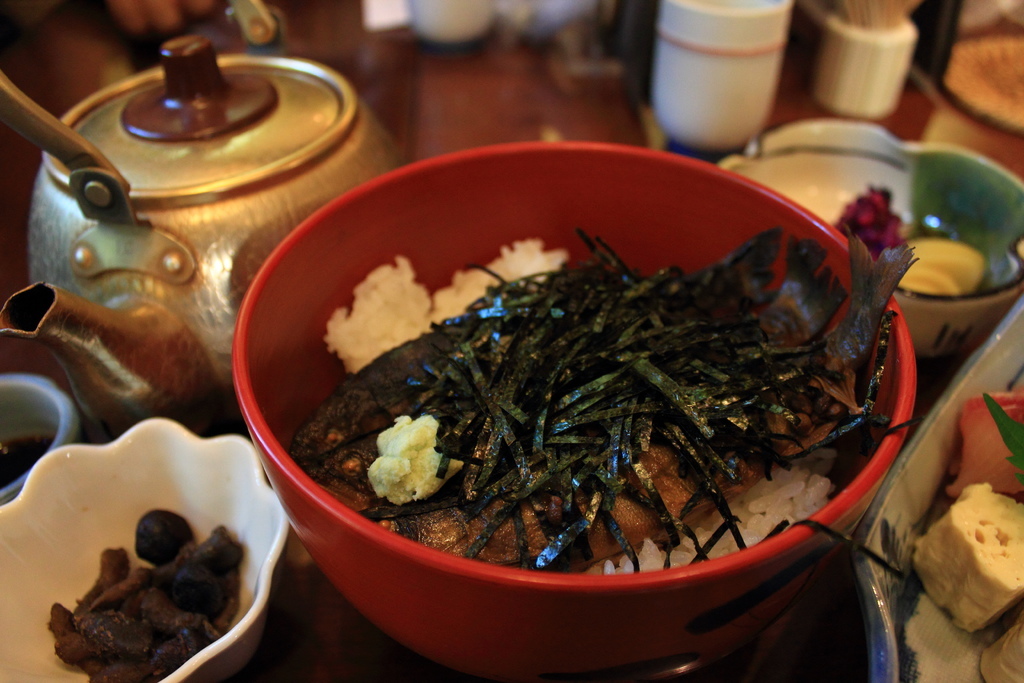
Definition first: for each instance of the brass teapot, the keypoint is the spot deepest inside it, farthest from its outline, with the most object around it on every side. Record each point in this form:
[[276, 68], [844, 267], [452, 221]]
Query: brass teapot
[[139, 283]]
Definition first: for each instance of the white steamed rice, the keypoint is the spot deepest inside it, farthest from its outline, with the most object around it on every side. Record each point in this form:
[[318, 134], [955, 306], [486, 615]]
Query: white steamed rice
[[390, 308]]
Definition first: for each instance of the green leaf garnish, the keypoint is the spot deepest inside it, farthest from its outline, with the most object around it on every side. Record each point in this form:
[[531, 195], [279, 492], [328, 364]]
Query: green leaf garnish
[[1012, 433]]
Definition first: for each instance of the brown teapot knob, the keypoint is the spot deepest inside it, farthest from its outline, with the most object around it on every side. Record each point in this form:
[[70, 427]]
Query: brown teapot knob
[[197, 100]]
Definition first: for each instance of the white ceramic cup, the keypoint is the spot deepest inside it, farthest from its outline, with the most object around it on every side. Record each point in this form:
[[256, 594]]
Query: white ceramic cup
[[30, 406], [451, 24], [716, 69], [860, 72]]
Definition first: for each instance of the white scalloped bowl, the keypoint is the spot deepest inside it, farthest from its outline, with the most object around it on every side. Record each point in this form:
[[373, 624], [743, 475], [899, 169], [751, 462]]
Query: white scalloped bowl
[[81, 499]]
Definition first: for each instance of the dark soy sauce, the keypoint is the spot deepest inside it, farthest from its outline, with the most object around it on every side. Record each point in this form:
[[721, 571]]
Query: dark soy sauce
[[18, 455]]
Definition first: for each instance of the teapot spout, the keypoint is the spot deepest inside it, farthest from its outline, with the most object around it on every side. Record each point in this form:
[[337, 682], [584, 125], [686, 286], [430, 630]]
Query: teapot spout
[[123, 364]]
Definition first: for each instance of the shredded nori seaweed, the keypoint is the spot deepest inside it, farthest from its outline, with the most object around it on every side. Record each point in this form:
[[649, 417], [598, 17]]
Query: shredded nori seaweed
[[559, 381]]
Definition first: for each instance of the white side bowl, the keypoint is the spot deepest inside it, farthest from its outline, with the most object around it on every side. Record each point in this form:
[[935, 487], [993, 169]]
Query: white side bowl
[[909, 638], [81, 499]]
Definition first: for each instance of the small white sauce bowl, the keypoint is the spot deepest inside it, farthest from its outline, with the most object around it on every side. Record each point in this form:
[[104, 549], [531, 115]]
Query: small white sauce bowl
[[34, 406]]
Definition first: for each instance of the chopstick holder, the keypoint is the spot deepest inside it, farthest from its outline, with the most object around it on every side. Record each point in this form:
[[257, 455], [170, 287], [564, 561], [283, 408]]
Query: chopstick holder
[[860, 72]]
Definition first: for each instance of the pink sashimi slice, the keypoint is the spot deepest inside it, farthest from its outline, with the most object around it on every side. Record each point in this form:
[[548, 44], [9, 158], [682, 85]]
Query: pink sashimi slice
[[983, 455]]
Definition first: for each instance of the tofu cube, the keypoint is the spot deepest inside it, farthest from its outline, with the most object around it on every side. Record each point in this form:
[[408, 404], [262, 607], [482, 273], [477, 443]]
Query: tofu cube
[[971, 561]]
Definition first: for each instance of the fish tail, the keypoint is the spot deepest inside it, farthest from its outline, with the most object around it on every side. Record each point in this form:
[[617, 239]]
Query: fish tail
[[873, 282]]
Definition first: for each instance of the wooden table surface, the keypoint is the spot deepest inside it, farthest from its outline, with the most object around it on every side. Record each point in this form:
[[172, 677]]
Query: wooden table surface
[[434, 104]]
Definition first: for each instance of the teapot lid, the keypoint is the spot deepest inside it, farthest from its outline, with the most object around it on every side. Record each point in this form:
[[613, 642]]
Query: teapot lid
[[203, 125]]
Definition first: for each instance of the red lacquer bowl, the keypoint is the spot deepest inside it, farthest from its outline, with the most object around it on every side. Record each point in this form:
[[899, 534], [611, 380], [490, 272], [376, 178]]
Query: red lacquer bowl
[[655, 209]]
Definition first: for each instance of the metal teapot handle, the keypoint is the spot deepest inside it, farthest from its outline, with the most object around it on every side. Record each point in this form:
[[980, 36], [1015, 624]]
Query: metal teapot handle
[[99, 188]]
